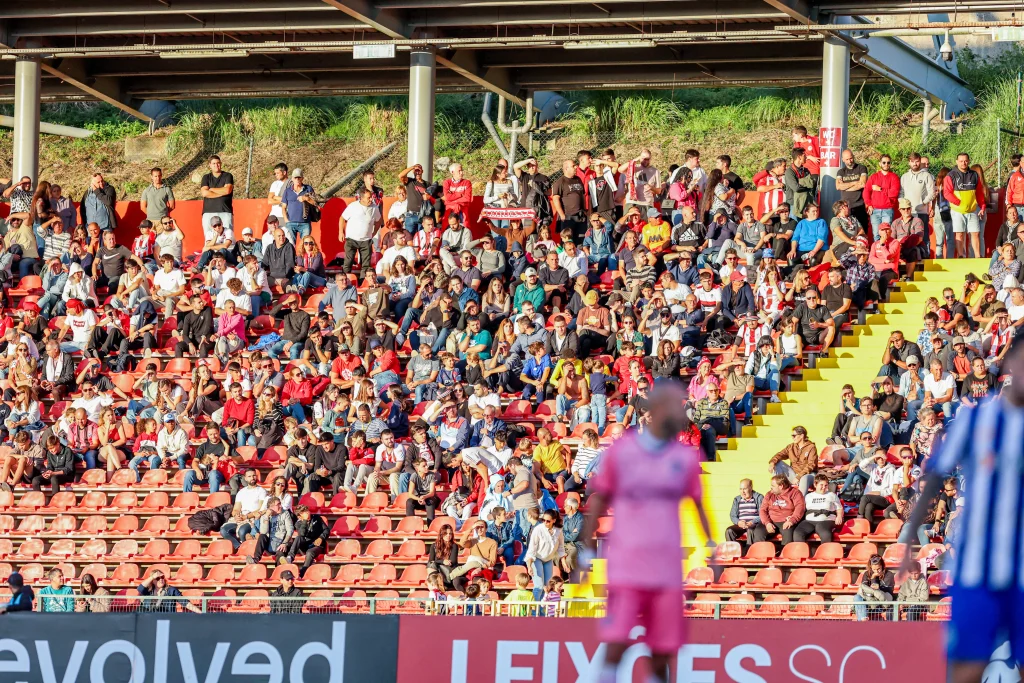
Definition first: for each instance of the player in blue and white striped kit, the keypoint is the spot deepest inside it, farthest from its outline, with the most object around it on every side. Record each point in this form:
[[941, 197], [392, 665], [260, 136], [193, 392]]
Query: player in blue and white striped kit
[[986, 445]]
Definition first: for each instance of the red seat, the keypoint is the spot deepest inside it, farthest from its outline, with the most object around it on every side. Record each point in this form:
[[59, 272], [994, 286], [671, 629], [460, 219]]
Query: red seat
[[126, 573], [827, 555], [247, 548], [180, 528], [33, 572], [860, 553], [345, 550], [93, 549], [275, 577], [344, 500], [29, 550], [703, 605], [835, 579], [187, 550], [398, 506], [929, 549], [6, 500], [218, 551], [413, 575], [373, 502], [31, 524], [154, 478], [32, 501], [808, 607], [348, 575], [378, 525], [853, 530], [732, 578], [317, 574], [893, 555], [97, 570], [155, 501], [314, 501], [123, 478], [439, 521], [727, 552], [739, 605], [699, 577], [255, 601], [124, 549], [95, 478], [93, 525], [126, 500], [252, 574], [61, 502], [380, 575], [61, 524], [185, 502], [761, 552], [412, 550], [518, 410], [940, 580], [408, 526], [887, 531], [774, 607], [802, 578], [188, 574], [125, 524], [60, 549], [156, 550], [378, 551], [219, 575], [93, 501], [6, 547], [217, 499], [792, 554], [346, 526], [769, 577], [156, 525], [320, 602]]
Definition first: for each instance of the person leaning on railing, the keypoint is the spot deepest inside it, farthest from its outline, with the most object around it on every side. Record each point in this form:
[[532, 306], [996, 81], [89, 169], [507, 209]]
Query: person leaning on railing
[[163, 596]]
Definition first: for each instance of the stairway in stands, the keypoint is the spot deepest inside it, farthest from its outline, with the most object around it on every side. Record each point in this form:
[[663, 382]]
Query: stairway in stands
[[812, 400]]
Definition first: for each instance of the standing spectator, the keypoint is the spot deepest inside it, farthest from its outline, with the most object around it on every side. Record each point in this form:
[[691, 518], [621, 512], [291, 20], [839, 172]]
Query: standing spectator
[[217, 189], [918, 186], [851, 180], [22, 596], [545, 547], [357, 227], [801, 186], [63, 207], [98, 203], [811, 147], [157, 199], [965, 192], [298, 199], [781, 510], [642, 181], [745, 514], [881, 194]]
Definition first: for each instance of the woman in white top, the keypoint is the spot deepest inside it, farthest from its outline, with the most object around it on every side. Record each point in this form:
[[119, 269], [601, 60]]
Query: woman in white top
[[824, 512], [280, 489], [546, 546], [771, 296], [398, 207], [789, 346]]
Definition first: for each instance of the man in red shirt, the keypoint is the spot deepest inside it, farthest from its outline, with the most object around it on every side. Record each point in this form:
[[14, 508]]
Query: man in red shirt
[[342, 367], [811, 146], [881, 193], [458, 193], [585, 173], [769, 183]]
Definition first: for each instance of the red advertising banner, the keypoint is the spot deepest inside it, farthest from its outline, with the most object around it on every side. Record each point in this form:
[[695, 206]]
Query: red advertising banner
[[504, 649], [831, 146]]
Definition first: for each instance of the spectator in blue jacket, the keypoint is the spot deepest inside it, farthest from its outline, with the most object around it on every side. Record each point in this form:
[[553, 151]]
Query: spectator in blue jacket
[[482, 433], [810, 238], [22, 596]]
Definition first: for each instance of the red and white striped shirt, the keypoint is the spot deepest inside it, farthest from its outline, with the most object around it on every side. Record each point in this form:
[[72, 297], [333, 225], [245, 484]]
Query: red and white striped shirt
[[771, 198], [423, 243], [1000, 338]]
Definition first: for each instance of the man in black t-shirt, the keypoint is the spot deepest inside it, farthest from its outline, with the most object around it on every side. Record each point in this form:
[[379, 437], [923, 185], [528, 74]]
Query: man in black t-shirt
[[814, 322], [416, 194], [850, 181], [838, 297], [781, 225], [980, 384], [217, 190], [568, 200], [108, 268], [724, 164], [689, 236]]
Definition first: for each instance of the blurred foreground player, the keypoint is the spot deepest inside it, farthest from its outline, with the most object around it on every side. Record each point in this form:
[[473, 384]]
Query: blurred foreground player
[[984, 446], [645, 476]]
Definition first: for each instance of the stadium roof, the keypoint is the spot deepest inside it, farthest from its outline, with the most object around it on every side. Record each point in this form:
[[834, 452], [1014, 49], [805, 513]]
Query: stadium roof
[[130, 50]]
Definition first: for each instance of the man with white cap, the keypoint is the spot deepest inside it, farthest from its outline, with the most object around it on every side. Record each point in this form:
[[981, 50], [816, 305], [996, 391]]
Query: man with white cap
[[247, 245]]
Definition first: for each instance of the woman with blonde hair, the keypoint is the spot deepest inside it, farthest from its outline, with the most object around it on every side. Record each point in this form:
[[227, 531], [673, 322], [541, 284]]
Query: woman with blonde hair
[[268, 426], [111, 434]]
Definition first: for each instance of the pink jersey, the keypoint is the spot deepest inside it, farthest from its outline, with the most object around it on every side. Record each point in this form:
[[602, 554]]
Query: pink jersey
[[645, 488]]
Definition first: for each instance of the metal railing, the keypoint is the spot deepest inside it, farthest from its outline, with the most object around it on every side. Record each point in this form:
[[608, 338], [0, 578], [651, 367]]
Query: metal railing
[[843, 608]]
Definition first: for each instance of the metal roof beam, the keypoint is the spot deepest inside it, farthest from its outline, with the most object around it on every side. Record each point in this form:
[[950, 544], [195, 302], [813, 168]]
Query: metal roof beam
[[798, 10], [107, 90], [120, 25]]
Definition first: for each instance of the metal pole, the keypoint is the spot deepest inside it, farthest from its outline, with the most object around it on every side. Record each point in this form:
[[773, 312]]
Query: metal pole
[[835, 104], [26, 118], [926, 122], [422, 85], [248, 169], [999, 153]]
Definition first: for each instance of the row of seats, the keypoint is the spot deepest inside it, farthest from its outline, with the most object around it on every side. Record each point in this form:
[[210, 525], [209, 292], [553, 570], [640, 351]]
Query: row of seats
[[799, 580], [798, 553], [776, 606]]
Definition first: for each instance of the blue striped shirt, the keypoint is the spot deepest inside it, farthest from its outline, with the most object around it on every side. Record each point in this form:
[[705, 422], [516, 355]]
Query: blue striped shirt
[[987, 444]]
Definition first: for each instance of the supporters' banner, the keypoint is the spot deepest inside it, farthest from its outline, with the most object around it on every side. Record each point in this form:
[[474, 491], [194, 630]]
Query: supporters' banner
[[512, 213], [197, 648], [505, 649]]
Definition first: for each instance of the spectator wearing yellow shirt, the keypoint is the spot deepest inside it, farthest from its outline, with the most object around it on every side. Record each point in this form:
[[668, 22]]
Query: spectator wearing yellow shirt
[[550, 461], [656, 234], [521, 594]]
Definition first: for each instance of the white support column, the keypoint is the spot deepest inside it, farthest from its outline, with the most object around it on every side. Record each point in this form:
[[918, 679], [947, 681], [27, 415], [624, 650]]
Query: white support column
[[26, 119], [835, 104], [422, 81]]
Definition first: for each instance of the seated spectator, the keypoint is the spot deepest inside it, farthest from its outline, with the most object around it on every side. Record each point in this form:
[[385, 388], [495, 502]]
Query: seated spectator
[[711, 415], [275, 532], [56, 597], [914, 591], [745, 514], [875, 584], [739, 393], [882, 479], [551, 460], [250, 503], [482, 553], [57, 469], [782, 509], [814, 321], [802, 455], [763, 366], [160, 596], [422, 491]]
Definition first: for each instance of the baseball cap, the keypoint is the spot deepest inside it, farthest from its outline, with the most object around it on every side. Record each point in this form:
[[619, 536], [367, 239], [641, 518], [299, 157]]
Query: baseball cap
[[170, 417], [529, 271], [885, 226], [146, 224], [296, 173], [246, 231], [736, 276], [374, 344], [344, 348], [652, 212], [287, 573], [666, 311], [905, 203], [721, 212], [590, 298], [216, 220], [913, 359], [958, 340]]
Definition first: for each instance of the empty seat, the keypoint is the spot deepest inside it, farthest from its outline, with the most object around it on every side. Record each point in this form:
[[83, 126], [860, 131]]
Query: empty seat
[[345, 550], [186, 550], [860, 553], [348, 575], [408, 526], [61, 549], [252, 574], [887, 531], [156, 550], [346, 526], [155, 501], [774, 606], [185, 502], [940, 580], [61, 524], [31, 524], [32, 501], [893, 555], [314, 501], [761, 552], [378, 525], [123, 478], [124, 549], [93, 501], [125, 573], [412, 550], [219, 575], [727, 552], [125, 524], [93, 549], [217, 499], [769, 577], [413, 575], [29, 550], [156, 525], [380, 575], [61, 502], [702, 605], [373, 502], [699, 577], [94, 525], [275, 577], [836, 579], [378, 551], [807, 607], [738, 605], [853, 530], [826, 555], [801, 578], [731, 579], [793, 553], [317, 574]]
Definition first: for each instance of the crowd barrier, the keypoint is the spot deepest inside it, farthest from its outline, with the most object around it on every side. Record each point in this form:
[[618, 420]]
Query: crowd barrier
[[147, 647]]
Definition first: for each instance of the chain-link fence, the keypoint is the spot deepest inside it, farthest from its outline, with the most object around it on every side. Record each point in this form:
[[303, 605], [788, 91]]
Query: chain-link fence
[[739, 607]]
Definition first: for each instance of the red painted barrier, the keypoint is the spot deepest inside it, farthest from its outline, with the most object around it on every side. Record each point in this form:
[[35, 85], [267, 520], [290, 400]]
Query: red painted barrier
[[748, 651]]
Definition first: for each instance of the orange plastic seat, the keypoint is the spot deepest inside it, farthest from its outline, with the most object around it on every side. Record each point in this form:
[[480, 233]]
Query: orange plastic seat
[[346, 526], [343, 500], [61, 549], [893, 555], [727, 552], [940, 580], [408, 526], [154, 478], [887, 531], [93, 549], [398, 506], [769, 577], [731, 579], [31, 524], [275, 577], [126, 524], [853, 530], [185, 502], [827, 555], [93, 501], [413, 550], [61, 524], [835, 579], [255, 601], [185, 550], [218, 551], [156, 550], [739, 605], [125, 573], [31, 501], [441, 520], [703, 605], [155, 501], [124, 549], [188, 574], [794, 553], [320, 602], [860, 553], [94, 478], [157, 524], [33, 573], [252, 574], [774, 606], [699, 577], [126, 500], [217, 499], [61, 502], [761, 552], [345, 550], [808, 607], [29, 550], [317, 574], [378, 525], [162, 567], [123, 478], [378, 551], [314, 501], [94, 525], [380, 575], [219, 575], [802, 578], [373, 502], [348, 575]]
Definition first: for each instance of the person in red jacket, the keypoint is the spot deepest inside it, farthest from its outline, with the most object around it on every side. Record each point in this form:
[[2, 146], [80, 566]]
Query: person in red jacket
[[881, 193], [458, 193], [781, 510], [236, 420], [884, 255], [296, 394]]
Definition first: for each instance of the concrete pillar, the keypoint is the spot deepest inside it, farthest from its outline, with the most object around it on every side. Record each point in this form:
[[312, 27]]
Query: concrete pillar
[[422, 81], [26, 119], [835, 105]]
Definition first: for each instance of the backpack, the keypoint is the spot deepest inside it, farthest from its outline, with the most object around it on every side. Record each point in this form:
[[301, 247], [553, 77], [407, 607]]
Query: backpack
[[719, 339]]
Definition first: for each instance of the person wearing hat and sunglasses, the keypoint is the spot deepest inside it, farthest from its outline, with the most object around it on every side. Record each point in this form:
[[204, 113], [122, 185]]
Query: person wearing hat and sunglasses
[[297, 200]]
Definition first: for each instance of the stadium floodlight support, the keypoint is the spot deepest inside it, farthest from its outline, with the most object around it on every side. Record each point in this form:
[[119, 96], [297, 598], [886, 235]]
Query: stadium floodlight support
[[27, 87], [835, 105], [422, 96]]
